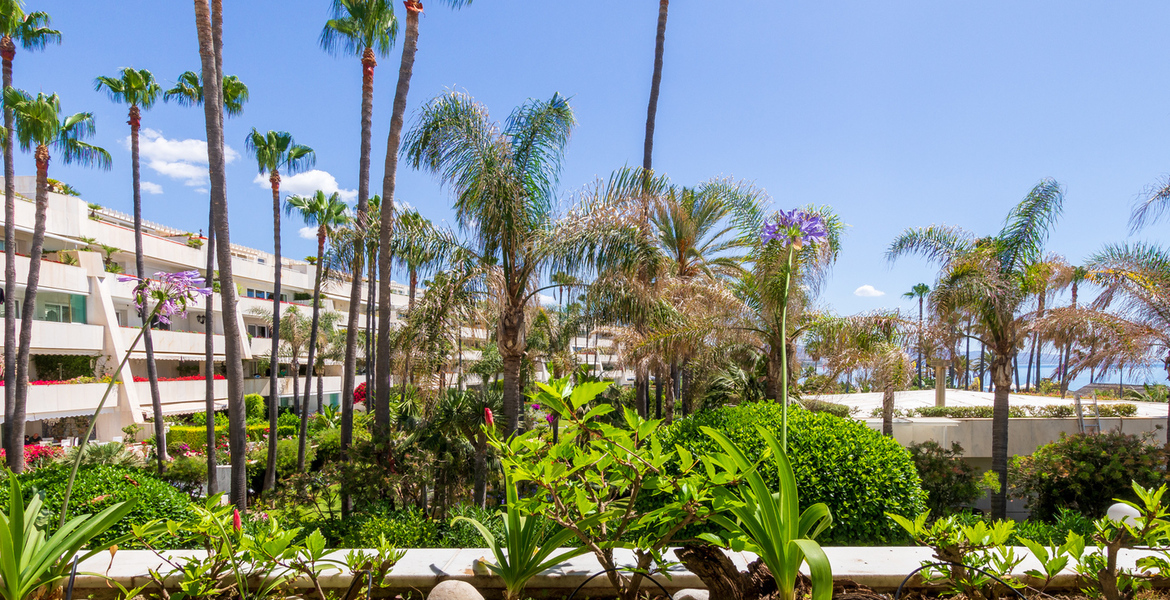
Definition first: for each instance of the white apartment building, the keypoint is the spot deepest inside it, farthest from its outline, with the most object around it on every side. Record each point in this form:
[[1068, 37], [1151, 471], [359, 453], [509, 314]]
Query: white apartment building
[[83, 310]]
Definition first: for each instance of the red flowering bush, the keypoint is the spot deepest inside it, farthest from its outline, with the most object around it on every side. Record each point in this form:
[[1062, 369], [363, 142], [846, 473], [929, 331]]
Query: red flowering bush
[[36, 456], [359, 393]]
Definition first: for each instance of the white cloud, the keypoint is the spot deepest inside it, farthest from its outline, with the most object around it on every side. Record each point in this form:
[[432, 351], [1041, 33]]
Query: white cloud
[[303, 184], [546, 299], [185, 160], [200, 190], [868, 291], [151, 188], [308, 233]]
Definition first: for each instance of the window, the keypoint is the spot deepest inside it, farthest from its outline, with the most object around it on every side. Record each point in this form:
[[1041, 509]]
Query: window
[[262, 261], [57, 313], [259, 331]]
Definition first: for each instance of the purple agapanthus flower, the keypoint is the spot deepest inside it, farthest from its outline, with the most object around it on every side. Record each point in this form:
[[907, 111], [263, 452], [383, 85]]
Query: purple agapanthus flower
[[171, 292], [550, 418], [796, 227], [535, 407]]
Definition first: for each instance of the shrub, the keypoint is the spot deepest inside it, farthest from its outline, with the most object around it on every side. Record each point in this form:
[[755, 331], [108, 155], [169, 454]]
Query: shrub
[[948, 480], [254, 407], [408, 528], [200, 419], [1086, 472], [112, 453], [860, 474], [837, 410], [37, 456], [101, 486], [1055, 411], [329, 442], [195, 436], [187, 474], [62, 367], [286, 458]]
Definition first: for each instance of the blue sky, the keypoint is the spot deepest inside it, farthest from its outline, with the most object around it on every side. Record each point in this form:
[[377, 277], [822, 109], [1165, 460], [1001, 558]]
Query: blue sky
[[895, 113]]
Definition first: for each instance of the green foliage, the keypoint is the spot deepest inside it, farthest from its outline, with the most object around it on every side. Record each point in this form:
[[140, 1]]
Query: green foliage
[[1084, 472], [112, 453], [31, 558], [771, 524], [288, 419], [132, 430], [858, 473], [286, 458], [1053, 532], [949, 481], [329, 442], [102, 486], [195, 436], [837, 410], [408, 528], [593, 479], [981, 545], [200, 419], [1054, 411], [188, 474], [255, 408], [1149, 393], [525, 552], [62, 367]]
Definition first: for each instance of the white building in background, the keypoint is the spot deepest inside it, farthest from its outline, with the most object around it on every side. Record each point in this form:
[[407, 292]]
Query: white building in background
[[83, 310]]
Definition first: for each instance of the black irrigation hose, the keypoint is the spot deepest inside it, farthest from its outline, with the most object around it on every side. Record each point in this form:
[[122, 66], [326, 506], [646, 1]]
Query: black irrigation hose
[[600, 573], [898, 594], [72, 577]]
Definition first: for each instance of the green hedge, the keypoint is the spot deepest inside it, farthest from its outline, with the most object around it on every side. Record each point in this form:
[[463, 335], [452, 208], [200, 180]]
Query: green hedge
[[195, 436], [1054, 411], [860, 474], [101, 486], [408, 528]]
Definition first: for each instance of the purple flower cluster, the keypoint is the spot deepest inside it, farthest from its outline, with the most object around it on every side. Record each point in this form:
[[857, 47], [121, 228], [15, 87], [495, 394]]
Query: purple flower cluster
[[796, 227], [172, 291]]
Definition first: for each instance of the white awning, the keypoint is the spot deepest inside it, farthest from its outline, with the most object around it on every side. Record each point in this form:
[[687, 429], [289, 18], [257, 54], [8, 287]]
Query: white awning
[[61, 414]]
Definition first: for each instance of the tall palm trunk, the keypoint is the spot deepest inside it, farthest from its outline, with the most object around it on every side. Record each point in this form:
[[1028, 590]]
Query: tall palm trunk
[[209, 27], [920, 341], [1067, 354], [1001, 368], [888, 410], [371, 315], [398, 115], [209, 362], [15, 446], [16, 429], [160, 428], [273, 360], [349, 370], [312, 352], [655, 85], [406, 350], [511, 349]]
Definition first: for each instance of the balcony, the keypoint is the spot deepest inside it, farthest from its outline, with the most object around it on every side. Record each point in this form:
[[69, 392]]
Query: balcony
[[173, 345], [54, 276], [49, 337]]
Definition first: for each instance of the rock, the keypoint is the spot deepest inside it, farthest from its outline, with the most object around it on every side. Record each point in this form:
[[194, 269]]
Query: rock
[[692, 594], [458, 590]]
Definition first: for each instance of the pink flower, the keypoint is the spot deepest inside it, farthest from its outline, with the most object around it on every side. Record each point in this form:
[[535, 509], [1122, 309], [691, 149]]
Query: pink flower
[[487, 417], [236, 520], [550, 418]]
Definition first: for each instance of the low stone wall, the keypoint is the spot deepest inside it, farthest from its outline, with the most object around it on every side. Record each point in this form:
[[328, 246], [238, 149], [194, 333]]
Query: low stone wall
[[881, 568]]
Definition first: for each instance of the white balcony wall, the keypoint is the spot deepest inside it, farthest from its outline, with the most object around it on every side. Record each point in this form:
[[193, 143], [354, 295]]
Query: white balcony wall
[[65, 338]]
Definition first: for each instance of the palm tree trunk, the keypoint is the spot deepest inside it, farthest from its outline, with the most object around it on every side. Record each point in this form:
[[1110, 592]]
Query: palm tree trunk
[[160, 428], [209, 27], [671, 400], [967, 359], [274, 353], [321, 389], [14, 447], [1016, 369], [398, 115], [1001, 368], [371, 314], [658, 377], [349, 370], [888, 411], [209, 361], [919, 341], [655, 85], [312, 351], [16, 429]]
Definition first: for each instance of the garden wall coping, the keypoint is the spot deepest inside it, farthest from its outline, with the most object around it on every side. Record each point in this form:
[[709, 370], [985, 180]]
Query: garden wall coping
[[877, 567]]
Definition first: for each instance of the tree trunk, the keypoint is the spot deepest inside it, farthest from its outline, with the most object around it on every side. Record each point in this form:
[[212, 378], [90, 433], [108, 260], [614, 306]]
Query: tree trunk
[[321, 389], [772, 385], [405, 71], [349, 370], [209, 27], [723, 579], [309, 365], [671, 400], [209, 361], [371, 315], [1001, 368], [160, 427], [16, 429], [11, 444], [511, 345], [655, 85], [658, 377], [274, 353], [919, 341], [888, 411]]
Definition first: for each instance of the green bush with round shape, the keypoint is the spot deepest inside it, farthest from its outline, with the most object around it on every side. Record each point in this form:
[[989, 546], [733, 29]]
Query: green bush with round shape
[[858, 473], [1085, 472], [195, 436], [254, 407], [286, 458], [101, 486], [329, 442]]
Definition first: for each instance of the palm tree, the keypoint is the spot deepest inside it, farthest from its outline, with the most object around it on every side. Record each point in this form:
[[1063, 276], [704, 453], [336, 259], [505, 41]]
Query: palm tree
[[188, 91], [139, 89], [655, 86], [365, 28], [39, 127], [920, 292], [32, 31], [504, 183], [274, 151], [209, 29], [985, 277], [1068, 276], [326, 213], [389, 175]]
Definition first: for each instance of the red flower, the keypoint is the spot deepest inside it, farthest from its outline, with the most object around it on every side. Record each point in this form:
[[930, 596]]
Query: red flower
[[487, 417], [236, 519]]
